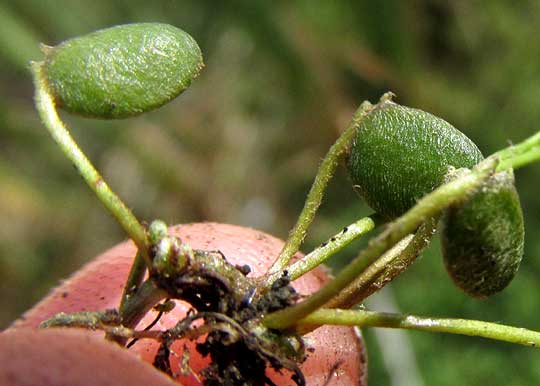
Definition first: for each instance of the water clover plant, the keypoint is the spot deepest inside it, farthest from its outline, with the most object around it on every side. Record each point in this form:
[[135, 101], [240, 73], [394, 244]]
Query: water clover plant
[[410, 166], [482, 239], [122, 71], [399, 154]]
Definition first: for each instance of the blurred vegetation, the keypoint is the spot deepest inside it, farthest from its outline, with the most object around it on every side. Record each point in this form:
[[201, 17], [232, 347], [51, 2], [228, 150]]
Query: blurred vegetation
[[243, 143]]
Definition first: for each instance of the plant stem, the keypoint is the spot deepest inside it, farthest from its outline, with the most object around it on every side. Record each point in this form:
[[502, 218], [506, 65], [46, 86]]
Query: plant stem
[[135, 304], [332, 246], [135, 278], [47, 111], [362, 318], [386, 268], [519, 155], [139, 303], [91, 320], [314, 198], [429, 206]]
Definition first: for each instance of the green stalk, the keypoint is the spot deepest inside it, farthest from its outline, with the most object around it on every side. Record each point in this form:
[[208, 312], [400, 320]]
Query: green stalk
[[135, 278], [47, 111], [362, 318], [314, 198], [332, 246], [427, 207], [519, 155]]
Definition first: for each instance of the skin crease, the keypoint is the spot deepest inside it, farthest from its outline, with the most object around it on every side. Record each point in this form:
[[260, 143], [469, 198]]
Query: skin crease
[[98, 286]]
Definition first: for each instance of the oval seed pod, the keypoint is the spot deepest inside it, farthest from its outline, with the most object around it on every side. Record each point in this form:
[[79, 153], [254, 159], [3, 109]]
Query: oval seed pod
[[122, 71], [482, 238], [400, 154]]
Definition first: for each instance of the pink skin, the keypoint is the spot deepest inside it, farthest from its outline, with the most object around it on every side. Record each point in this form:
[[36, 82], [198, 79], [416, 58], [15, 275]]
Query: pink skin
[[338, 352]]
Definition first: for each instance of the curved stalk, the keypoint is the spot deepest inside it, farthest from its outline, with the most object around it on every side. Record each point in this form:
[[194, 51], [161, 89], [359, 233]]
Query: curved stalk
[[47, 111]]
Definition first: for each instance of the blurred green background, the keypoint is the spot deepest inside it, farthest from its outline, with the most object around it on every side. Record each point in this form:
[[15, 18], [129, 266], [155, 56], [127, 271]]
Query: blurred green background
[[243, 143]]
